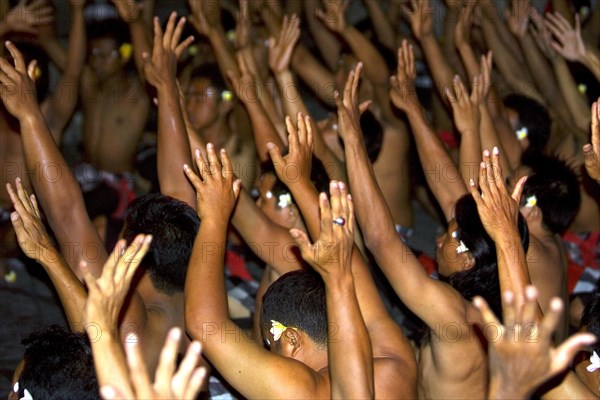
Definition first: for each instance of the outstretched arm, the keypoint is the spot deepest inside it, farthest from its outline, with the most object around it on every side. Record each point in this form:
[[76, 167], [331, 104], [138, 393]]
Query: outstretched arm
[[499, 212], [59, 193], [591, 151], [206, 313], [58, 108], [133, 14], [350, 360], [440, 171], [173, 145], [36, 244]]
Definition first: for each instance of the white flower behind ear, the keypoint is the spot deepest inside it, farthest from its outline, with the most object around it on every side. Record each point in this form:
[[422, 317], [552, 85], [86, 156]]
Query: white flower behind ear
[[26, 395], [595, 363], [277, 329]]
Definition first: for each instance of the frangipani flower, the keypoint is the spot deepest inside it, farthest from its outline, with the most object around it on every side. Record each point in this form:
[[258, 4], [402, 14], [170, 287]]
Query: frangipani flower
[[277, 329], [595, 363], [531, 201], [522, 133]]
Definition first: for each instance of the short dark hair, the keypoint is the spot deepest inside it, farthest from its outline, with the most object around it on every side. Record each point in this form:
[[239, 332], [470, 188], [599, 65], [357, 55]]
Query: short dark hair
[[297, 299], [556, 189], [173, 225], [112, 28], [58, 365], [534, 117], [591, 316], [481, 280], [212, 73]]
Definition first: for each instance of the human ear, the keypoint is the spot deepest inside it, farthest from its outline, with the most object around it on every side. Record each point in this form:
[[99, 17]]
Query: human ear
[[291, 342]]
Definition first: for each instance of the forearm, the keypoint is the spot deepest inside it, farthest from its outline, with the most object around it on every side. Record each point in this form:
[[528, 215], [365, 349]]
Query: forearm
[[374, 64], [441, 71], [320, 80], [543, 76], [141, 42], [512, 265], [173, 147], [469, 60], [109, 358], [440, 172], [592, 60], [575, 102], [350, 356], [223, 52], [270, 242], [490, 139], [469, 155], [59, 194], [328, 44], [263, 131], [372, 212], [383, 28], [70, 290], [205, 292]]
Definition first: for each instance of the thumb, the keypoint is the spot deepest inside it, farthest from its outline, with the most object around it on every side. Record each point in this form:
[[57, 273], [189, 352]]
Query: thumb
[[237, 187], [276, 156], [17, 222], [364, 106], [518, 190], [301, 239]]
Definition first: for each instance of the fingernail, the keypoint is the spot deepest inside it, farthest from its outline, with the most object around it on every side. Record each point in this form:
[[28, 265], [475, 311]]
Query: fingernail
[[195, 347], [482, 165], [294, 234], [471, 182], [210, 146], [495, 150], [175, 333], [186, 167], [341, 185], [197, 153], [148, 239], [14, 216], [486, 153]]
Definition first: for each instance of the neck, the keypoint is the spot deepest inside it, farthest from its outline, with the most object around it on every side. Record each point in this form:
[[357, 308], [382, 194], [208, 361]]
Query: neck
[[217, 133]]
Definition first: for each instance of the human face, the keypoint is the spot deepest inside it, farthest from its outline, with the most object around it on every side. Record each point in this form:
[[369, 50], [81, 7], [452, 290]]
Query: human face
[[449, 261], [268, 203], [202, 103], [104, 57]]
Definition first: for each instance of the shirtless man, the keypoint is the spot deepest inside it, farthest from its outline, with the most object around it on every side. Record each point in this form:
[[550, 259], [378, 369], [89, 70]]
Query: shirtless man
[[157, 301], [115, 104]]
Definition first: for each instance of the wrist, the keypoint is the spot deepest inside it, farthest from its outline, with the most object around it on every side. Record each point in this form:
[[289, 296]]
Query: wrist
[[502, 388]]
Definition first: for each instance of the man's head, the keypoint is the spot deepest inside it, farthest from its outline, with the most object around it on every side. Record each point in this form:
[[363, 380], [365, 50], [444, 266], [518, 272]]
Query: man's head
[[105, 41], [296, 301], [551, 193], [173, 226], [529, 120], [57, 365], [207, 99]]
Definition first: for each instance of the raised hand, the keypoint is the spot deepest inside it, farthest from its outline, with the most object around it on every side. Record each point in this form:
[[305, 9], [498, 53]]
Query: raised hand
[[204, 23], [333, 16], [161, 67], [349, 110], [217, 189], [27, 221], [244, 85], [521, 352], [518, 17], [466, 109], [17, 89], [183, 383], [462, 31], [591, 151], [498, 210], [129, 10], [419, 14], [25, 18], [295, 166], [541, 34], [402, 86], [331, 255], [281, 50], [570, 44], [107, 293]]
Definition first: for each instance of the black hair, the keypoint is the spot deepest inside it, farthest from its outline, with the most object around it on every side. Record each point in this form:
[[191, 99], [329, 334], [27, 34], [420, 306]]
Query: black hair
[[482, 279], [534, 117], [297, 299], [212, 73], [591, 317], [173, 225], [58, 365], [556, 189], [112, 28]]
